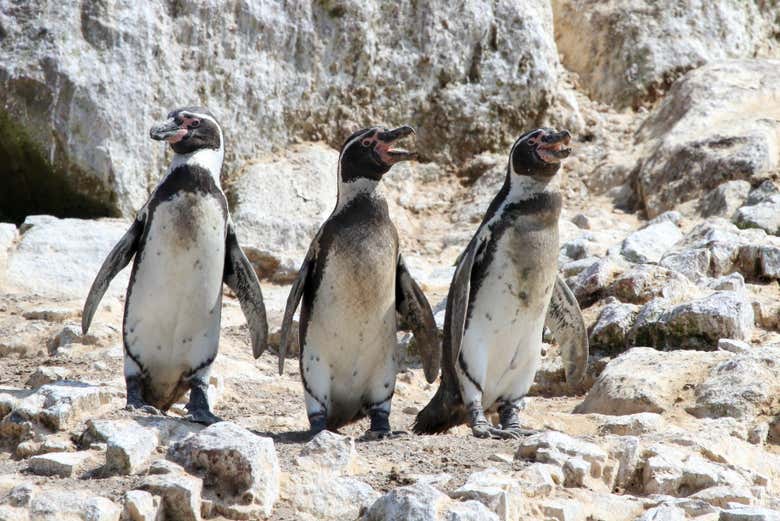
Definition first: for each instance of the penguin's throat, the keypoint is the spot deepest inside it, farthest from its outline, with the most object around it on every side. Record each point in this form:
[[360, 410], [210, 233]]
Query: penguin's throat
[[522, 186], [209, 159], [360, 187]]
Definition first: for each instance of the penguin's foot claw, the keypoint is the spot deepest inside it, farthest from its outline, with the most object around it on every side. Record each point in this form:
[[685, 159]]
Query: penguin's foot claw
[[481, 431], [382, 435], [506, 434], [141, 408], [204, 417]]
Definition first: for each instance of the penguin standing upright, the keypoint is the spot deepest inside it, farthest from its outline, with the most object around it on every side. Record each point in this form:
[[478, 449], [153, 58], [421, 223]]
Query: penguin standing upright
[[185, 247], [502, 288], [353, 282]]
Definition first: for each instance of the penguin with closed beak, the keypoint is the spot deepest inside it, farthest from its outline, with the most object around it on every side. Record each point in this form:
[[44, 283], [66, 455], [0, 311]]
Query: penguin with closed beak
[[505, 285], [184, 247], [354, 290]]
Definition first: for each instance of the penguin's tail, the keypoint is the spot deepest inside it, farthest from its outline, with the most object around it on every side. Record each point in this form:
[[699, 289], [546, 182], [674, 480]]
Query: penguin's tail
[[443, 412]]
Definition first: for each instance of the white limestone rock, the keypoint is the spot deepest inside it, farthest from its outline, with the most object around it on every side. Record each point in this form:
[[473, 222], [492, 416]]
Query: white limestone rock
[[142, 506], [329, 453], [53, 407], [180, 493], [637, 48], [583, 463], [47, 374], [711, 126], [421, 502], [649, 244], [764, 215], [59, 258], [56, 505], [279, 204], [741, 387], [62, 464], [696, 324], [613, 324], [630, 383], [238, 57], [663, 513], [749, 514], [497, 491], [242, 466]]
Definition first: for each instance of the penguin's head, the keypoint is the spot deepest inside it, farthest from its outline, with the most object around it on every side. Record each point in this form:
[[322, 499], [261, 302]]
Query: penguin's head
[[189, 129], [540, 152], [369, 153]]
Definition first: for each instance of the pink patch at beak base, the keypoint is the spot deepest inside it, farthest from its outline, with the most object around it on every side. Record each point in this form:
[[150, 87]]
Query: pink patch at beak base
[[178, 136]]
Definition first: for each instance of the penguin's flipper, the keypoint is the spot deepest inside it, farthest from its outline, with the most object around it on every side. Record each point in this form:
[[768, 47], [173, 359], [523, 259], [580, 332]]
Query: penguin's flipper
[[296, 293], [458, 297], [242, 279], [117, 259], [416, 314], [564, 319]]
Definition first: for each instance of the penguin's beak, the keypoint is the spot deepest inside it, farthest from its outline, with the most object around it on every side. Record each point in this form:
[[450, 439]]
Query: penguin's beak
[[553, 146], [169, 131], [384, 147]]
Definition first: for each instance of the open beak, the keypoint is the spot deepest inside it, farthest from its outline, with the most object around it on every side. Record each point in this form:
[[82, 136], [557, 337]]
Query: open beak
[[553, 147], [169, 131], [389, 154]]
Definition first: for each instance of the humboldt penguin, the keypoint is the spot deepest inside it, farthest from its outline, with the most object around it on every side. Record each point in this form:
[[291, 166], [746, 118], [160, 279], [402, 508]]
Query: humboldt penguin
[[356, 291], [505, 284], [185, 247]]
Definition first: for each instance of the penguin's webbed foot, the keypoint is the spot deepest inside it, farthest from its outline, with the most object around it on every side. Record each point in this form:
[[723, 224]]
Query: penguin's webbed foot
[[203, 416], [140, 407], [318, 422], [382, 435], [510, 421], [198, 407]]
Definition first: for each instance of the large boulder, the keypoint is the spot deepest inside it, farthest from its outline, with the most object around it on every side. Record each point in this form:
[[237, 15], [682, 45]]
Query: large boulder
[[717, 247], [240, 465], [696, 324], [712, 127], [628, 52], [470, 76], [422, 502], [278, 203], [646, 380], [59, 258], [742, 387]]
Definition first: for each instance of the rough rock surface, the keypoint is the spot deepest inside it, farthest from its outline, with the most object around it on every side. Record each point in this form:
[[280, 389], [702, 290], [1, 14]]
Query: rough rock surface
[[636, 49], [59, 258], [268, 192], [630, 384], [713, 121], [425, 503], [742, 387], [241, 466], [663, 433], [491, 73]]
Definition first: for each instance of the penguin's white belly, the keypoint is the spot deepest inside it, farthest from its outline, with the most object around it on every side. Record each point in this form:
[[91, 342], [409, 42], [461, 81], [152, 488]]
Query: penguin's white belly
[[350, 339], [173, 309], [502, 343]]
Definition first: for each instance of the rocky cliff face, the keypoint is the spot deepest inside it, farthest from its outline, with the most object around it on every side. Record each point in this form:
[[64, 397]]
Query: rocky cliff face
[[670, 241], [81, 81]]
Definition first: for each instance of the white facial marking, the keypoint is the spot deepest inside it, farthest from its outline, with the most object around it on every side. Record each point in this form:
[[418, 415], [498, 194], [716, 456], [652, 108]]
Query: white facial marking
[[348, 191]]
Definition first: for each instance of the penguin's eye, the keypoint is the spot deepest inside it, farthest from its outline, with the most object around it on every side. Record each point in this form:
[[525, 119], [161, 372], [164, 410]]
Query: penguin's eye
[[195, 123], [366, 142]]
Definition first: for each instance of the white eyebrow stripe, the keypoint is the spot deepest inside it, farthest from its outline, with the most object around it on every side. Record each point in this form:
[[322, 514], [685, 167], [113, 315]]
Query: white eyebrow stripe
[[187, 113]]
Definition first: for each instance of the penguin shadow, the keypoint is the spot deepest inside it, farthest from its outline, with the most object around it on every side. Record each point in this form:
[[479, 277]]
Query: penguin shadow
[[286, 438]]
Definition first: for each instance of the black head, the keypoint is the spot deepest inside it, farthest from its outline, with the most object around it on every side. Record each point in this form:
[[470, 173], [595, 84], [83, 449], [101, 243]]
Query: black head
[[540, 152], [189, 129], [369, 153]]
